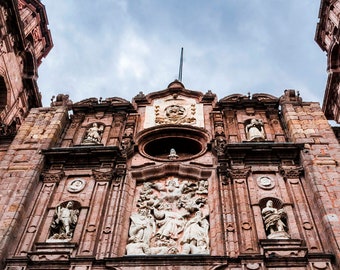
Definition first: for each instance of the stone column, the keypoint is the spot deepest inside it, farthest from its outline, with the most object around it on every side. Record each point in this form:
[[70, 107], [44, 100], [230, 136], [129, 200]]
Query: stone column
[[307, 124], [93, 223], [245, 220]]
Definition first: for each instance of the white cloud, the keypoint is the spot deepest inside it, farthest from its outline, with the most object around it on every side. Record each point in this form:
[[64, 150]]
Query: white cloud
[[117, 48]]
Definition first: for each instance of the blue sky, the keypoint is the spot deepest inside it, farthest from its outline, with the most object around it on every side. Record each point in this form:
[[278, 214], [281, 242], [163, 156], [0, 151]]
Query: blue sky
[[117, 48]]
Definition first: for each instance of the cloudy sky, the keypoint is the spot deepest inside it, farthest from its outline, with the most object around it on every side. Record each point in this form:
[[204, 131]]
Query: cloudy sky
[[117, 48]]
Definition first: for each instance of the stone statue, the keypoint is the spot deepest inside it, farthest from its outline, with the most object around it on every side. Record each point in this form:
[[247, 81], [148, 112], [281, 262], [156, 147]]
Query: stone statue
[[171, 223], [142, 226], [195, 247], [196, 233], [64, 222], [173, 155], [255, 131], [273, 220], [94, 134], [134, 247]]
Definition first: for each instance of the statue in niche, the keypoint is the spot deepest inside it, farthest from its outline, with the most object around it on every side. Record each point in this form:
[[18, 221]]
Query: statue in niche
[[64, 222], [170, 223], [195, 236], [142, 226], [255, 130], [94, 134], [173, 155], [273, 221]]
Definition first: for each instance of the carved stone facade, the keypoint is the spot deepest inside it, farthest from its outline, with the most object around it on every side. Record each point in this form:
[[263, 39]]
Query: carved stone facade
[[328, 36], [175, 179], [24, 41]]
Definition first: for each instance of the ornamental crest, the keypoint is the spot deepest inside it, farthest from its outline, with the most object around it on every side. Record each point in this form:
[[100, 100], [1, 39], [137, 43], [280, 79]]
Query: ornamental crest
[[175, 114]]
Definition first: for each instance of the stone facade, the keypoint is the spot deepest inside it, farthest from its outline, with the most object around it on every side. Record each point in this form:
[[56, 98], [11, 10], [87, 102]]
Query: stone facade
[[175, 179], [24, 41], [327, 36]]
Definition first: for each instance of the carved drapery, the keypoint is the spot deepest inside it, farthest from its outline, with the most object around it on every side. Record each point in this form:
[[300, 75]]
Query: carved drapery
[[170, 217]]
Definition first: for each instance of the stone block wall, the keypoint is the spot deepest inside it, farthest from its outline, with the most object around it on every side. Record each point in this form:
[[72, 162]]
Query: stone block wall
[[20, 171]]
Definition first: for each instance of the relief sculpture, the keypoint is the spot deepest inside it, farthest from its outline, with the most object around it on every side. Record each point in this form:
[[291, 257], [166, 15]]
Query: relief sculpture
[[176, 114], [170, 217]]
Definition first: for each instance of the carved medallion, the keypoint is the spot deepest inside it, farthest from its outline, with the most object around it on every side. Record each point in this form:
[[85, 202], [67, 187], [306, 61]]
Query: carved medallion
[[76, 185], [265, 182]]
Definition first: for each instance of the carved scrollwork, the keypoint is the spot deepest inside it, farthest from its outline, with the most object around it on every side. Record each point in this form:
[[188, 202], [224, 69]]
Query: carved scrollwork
[[52, 177], [99, 175], [291, 172], [239, 173]]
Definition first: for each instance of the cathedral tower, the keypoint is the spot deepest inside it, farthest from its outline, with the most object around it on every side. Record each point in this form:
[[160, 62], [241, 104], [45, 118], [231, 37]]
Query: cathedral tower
[[24, 41]]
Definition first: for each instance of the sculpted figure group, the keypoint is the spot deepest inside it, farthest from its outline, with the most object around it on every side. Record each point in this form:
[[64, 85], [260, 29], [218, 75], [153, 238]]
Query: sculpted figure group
[[167, 222]]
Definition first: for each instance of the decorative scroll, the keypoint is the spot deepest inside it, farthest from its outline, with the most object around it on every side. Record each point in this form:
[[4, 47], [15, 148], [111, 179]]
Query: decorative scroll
[[171, 217]]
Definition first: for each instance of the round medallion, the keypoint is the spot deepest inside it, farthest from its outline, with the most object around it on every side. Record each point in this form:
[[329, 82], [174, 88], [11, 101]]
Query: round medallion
[[265, 182], [76, 185]]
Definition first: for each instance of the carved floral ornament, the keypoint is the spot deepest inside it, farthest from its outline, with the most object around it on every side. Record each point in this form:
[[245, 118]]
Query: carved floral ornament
[[170, 217]]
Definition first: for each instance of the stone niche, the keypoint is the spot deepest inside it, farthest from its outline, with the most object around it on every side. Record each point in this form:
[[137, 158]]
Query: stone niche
[[169, 216]]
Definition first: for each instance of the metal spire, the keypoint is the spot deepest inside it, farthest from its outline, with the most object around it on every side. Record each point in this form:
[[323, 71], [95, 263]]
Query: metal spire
[[180, 67]]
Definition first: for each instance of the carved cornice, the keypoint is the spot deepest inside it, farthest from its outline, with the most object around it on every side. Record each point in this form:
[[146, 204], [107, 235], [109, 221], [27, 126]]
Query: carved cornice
[[262, 152], [82, 156]]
